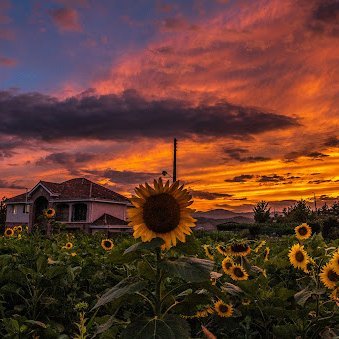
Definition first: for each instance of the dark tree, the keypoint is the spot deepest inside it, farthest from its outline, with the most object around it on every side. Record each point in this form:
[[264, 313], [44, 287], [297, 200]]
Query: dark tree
[[261, 212], [3, 209], [299, 212]]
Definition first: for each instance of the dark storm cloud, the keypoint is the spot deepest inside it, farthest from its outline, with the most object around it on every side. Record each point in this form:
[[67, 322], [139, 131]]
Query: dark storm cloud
[[271, 178], [325, 197], [327, 11], [325, 17], [209, 195], [6, 184], [238, 154], [7, 146], [125, 177], [65, 159], [320, 181], [314, 155], [332, 142], [128, 116], [241, 178], [317, 155]]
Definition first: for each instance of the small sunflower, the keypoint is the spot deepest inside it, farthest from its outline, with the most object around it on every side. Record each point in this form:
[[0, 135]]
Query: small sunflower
[[266, 253], [303, 231], [237, 272], [335, 262], [19, 229], [335, 295], [227, 264], [107, 244], [328, 276], [208, 252], [262, 243], [49, 213], [161, 211], [298, 257], [68, 246], [204, 312], [222, 250], [73, 254], [15, 228], [246, 301], [223, 310], [239, 249], [9, 232]]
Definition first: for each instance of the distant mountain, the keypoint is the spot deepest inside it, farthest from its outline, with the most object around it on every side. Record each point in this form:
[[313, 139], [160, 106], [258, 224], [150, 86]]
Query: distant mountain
[[210, 219], [222, 214]]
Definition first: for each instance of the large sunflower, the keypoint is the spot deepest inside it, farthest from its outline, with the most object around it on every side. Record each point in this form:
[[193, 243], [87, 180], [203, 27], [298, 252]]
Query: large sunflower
[[335, 262], [222, 309], [107, 244], [298, 257], [161, 212], [328, 276], [9, 232], [239, 249], [49, 213], [237, 272], [303, 231], [227, 264]]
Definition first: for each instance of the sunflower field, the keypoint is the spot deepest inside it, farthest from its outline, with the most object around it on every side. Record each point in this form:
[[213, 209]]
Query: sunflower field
[[166, 281]]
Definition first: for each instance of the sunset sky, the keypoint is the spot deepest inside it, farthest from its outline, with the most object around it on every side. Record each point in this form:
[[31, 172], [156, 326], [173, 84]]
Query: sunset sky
[[99, 89]]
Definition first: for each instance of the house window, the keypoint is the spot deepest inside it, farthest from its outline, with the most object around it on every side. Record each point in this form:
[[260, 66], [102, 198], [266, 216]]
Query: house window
[[79, 212], [15, 209], [62, 212], [26, 209]]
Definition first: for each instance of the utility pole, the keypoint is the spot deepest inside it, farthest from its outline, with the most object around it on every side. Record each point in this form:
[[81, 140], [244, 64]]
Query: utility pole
[[175, 160]]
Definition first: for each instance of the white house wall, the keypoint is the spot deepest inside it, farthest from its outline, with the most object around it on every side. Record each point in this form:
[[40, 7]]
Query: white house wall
[[19, 217], [97, 209]]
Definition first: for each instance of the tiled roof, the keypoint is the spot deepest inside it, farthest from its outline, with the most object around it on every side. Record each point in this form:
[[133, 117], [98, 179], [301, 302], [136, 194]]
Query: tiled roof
[[17, 198], [78, 188], [107, 219]]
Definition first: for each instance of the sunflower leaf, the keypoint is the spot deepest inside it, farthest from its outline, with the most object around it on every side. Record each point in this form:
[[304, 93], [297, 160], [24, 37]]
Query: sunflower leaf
[[189, 269], [171, 327], [154, 243], [126, 286], [232, 289], [302, 296]]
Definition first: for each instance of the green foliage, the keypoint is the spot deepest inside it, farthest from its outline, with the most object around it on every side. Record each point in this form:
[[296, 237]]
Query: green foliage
[[138, 291]]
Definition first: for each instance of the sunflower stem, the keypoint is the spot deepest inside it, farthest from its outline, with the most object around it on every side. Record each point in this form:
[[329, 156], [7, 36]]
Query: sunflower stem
[[158, 278]]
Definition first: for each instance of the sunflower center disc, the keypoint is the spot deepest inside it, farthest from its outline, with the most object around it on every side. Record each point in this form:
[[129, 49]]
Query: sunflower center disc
[[299, 257], [223, 308], [228, 265], [302, 231], [239, 247], [107, 244], [332, 276], [238, 272], [161, 213]]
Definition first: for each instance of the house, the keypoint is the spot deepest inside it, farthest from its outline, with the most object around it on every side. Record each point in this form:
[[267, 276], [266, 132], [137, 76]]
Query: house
[[79, 204]]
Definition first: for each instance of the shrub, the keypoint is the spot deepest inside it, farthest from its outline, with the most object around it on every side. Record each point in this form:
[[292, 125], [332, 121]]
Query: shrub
[[330, 228]]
